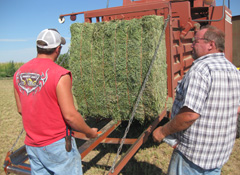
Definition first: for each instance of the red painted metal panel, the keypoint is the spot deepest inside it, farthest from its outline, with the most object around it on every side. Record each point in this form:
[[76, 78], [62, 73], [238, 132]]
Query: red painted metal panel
[[225, 25], [188, 62], [200, 3], [176, 35], [128, 11], [130, 2], [187, 47], [181, 46], [195, 3], [177, 67]]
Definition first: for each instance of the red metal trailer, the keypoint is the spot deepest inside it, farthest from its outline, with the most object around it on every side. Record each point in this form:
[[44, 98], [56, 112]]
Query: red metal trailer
[[178, 37]]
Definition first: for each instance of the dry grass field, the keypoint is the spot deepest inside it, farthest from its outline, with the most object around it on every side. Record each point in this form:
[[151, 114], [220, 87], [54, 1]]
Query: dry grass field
[[151, 158]]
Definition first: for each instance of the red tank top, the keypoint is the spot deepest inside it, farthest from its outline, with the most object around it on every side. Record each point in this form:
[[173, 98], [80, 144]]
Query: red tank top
[[36, 83]]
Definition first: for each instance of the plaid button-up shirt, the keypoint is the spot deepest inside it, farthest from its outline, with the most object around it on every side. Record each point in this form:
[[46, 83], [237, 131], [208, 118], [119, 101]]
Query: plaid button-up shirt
[[210, 88]]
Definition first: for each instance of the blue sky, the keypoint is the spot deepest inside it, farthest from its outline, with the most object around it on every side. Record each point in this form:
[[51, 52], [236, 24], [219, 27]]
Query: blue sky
[[22, 20]]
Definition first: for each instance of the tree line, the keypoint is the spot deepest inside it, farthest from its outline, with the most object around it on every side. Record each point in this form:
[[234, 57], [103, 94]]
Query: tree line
[[8, 69]]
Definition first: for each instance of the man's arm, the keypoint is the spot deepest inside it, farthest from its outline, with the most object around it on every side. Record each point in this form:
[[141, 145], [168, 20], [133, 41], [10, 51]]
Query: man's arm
[[70, 114], [19, 106], [183, 120], [238, 110]]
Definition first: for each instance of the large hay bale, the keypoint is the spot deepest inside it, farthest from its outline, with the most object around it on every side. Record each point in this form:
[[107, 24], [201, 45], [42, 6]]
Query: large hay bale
[[109, 61]]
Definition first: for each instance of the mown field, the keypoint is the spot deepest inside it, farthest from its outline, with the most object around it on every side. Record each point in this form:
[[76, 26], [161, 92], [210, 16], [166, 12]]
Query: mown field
[[151, 158]]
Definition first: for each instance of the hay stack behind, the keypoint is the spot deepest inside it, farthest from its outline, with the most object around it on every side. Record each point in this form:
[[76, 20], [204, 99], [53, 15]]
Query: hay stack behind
[[109, 61]]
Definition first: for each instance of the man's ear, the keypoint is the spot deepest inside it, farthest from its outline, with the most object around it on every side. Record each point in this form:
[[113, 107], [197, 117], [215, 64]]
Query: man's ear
[[58, 49], [212, 45]]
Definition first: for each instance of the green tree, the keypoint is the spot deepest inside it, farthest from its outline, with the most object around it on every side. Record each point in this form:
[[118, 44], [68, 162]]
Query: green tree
[[2, 70], [10, 69]]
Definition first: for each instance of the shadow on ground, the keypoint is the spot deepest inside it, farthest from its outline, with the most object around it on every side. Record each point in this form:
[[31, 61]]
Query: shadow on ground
[[103, 159]]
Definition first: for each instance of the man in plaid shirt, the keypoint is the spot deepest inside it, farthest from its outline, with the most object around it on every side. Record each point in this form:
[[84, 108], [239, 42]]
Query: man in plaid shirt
[[204, 113]]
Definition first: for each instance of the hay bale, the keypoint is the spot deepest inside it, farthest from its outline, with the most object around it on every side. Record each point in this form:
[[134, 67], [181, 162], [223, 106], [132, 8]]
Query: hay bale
[[109, 61]]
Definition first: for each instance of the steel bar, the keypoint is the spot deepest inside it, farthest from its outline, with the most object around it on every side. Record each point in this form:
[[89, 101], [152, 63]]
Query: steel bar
[[12, 169], [19, 156], [14, 162], [133, 149], [91, 144], [118, 141], [71, 14], [108, 140]]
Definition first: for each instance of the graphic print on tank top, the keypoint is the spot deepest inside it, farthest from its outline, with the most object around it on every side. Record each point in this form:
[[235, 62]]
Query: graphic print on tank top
[[31, 82]]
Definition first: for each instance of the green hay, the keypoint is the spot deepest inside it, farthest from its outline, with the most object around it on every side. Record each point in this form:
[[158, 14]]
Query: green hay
[[109, 61]]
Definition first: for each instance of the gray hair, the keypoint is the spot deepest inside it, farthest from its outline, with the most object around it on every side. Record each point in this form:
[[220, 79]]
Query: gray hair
[[216, 35]]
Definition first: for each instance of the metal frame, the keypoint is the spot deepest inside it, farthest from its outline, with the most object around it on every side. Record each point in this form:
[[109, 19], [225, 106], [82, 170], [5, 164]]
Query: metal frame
[[16, 162]]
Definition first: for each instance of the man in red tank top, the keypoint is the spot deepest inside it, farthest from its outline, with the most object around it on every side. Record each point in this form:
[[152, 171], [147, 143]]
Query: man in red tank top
[[44, 99]]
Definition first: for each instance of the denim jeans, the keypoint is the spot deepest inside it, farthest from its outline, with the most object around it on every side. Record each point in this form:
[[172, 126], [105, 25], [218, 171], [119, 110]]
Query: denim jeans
[[180, 165], [54, 159]]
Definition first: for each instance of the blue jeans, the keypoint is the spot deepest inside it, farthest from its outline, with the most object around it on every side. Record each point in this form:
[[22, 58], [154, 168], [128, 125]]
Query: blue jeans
[[54, 159], [180, 165]]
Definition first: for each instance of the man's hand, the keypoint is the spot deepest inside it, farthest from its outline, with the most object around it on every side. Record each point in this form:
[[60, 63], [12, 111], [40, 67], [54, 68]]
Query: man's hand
[[182, 121], [93, 134], [158, 135]]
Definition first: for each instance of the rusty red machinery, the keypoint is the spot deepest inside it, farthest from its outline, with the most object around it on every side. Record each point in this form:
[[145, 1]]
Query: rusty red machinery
[[178, 37]]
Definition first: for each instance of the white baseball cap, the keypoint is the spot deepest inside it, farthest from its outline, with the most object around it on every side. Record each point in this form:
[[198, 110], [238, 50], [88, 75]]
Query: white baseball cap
[[50, 38]]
